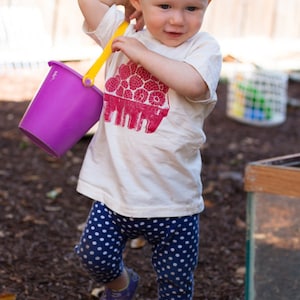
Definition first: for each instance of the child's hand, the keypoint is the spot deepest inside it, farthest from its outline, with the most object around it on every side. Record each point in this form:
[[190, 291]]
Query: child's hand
[[131, 47], [132, 14], [139, 20]]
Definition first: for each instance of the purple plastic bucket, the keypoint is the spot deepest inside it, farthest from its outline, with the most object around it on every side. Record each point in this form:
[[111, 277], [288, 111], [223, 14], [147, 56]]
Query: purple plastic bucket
[[62, 111]]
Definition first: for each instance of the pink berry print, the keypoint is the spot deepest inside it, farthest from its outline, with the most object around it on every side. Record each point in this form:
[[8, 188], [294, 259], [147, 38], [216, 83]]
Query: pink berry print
[[133, 67], [157, 98], [120, 91], [128, 94], [124, 71], [136, 99], [140, 95], [124, 84], [112, 84], [162, 87], [151, 86], [153, 78], [135, 82], [144, 74]]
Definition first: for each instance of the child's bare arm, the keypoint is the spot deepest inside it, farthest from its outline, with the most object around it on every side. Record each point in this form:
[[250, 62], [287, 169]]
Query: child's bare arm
[[94, 10], [178, 75]]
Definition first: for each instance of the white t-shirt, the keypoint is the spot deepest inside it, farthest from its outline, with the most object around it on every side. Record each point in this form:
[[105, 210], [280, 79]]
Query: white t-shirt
[[144, 159]]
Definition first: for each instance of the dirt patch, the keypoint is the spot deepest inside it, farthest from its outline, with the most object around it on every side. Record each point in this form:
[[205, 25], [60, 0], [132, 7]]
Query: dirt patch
[[40, 211]]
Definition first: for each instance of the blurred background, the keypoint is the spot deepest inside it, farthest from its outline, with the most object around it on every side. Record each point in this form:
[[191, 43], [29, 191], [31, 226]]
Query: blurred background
[[32, 32]]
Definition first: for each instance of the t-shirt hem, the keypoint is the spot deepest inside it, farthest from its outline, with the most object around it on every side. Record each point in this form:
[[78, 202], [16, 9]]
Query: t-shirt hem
[[96, 194]]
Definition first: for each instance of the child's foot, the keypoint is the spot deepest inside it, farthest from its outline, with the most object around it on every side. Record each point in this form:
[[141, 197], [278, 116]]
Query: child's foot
[[137, 243], [126, 294]]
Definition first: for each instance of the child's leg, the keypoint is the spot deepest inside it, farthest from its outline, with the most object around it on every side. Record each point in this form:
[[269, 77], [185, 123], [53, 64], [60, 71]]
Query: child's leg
[[175, 258], [101, 246]]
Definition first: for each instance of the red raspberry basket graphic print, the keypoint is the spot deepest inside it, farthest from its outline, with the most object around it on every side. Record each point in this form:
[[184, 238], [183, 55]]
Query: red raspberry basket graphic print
[[135, 99]]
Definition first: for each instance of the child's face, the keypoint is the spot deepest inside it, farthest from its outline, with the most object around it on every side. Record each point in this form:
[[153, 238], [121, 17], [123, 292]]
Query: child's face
[[172, 22]]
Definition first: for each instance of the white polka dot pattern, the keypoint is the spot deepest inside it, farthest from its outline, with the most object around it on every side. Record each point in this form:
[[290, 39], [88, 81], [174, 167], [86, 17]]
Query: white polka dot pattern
[[174, 243]]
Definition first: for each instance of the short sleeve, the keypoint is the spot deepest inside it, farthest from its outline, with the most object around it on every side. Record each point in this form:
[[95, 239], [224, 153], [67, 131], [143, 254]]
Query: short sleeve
[[106, 28], [206, 58]]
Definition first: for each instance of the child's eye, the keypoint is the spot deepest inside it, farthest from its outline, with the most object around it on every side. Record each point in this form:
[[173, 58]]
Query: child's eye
[[191, 8], [164, 6]]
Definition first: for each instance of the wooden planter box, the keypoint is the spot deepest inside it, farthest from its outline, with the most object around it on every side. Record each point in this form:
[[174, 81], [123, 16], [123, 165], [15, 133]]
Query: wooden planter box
[[273, 229]]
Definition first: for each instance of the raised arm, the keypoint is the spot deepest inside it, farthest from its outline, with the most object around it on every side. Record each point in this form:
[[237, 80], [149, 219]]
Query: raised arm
[[94, 10]]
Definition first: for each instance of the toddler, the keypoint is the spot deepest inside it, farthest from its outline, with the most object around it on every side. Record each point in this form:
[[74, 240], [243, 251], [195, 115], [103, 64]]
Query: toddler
[[142, 167]]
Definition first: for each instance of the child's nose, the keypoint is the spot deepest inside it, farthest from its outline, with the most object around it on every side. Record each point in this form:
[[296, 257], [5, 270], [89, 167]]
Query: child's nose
[[177, 18]]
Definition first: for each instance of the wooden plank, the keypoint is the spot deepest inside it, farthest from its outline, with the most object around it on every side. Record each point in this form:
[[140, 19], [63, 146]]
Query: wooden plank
[[280, 176], [286, 22], [259, 18], [247, 18], [59, 23], [225, 20]]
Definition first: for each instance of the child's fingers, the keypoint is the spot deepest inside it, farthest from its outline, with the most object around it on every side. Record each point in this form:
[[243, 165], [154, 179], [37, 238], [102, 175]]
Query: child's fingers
[[138, 17], [117, 43], [114, 46], [139, 24]]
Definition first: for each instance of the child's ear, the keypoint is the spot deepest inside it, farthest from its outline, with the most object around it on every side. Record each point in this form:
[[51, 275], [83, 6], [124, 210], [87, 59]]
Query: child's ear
[[136, 4]]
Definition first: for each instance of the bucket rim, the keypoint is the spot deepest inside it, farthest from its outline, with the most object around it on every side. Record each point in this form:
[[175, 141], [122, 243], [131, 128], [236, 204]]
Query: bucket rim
[[64, 66]]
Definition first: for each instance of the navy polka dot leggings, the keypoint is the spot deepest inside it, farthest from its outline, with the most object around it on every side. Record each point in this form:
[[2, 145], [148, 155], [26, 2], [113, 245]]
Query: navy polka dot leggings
[[174, 248]]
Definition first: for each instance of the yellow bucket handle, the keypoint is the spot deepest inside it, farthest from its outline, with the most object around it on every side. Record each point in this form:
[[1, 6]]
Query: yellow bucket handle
[[89, 78]]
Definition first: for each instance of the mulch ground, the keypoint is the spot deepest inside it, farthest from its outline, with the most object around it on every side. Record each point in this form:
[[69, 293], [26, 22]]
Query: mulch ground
[[41, 213]]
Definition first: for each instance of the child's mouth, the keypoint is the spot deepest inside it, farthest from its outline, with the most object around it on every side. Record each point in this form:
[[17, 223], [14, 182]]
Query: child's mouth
[[174, 34]]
